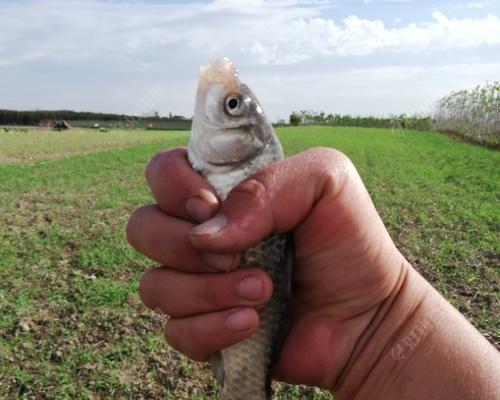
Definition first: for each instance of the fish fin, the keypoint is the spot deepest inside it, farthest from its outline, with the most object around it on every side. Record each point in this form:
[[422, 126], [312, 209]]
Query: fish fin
[[282, 333], [217, 365], [287, 318], [289, 258]]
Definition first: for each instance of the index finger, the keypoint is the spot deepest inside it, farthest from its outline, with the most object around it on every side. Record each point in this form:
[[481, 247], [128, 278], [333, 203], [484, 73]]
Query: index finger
[[178, 189]]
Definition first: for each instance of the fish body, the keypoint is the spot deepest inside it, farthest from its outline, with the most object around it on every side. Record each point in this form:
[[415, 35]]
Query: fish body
[[230, 140]]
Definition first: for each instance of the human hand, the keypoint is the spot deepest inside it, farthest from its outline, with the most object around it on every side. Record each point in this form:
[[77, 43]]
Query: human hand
[[346, 264]]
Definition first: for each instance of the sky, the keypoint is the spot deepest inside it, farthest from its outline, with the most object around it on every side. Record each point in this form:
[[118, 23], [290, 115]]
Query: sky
[[362, 57]]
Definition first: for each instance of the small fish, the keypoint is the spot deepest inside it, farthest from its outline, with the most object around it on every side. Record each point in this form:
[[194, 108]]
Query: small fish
[[230, 140]]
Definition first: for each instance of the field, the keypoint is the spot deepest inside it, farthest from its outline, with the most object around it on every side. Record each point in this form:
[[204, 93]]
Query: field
[[30, 145], [71, 323], [138, 123]]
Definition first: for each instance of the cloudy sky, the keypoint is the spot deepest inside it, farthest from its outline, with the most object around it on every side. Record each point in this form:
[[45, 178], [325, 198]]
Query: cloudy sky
[[360, 56]]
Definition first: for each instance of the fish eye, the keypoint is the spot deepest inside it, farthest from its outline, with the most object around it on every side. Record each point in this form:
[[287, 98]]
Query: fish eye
[[233, 105]]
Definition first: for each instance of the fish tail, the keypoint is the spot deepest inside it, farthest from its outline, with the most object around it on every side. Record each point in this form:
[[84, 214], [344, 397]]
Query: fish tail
[[217, 366], [227, 394]]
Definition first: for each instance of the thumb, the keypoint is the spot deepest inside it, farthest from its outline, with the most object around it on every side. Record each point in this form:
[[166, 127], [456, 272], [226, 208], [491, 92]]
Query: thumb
[[274, 200]]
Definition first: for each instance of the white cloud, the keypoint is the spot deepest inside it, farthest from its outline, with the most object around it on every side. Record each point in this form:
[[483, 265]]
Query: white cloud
[[269, 32], [479, 5], [357, 36]]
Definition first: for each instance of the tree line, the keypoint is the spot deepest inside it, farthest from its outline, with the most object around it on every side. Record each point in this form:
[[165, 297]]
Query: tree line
[[402, 121], [37, 117]]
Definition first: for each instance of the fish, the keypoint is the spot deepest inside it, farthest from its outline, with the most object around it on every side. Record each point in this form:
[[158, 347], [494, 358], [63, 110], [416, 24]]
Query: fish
[[231, 139]]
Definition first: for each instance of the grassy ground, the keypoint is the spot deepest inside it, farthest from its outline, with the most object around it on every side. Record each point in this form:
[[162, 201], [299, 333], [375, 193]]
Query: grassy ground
[[71, 323], [43, 143]]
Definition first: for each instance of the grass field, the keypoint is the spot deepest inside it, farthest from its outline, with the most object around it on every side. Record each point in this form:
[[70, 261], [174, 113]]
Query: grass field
[[71, 323], [35, 144]]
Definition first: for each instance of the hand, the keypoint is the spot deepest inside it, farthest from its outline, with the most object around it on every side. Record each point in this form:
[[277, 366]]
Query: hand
[[346, 264]]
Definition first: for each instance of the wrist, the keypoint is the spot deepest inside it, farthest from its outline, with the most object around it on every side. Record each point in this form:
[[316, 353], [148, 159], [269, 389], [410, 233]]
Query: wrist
[[397, 329], [419, 346]]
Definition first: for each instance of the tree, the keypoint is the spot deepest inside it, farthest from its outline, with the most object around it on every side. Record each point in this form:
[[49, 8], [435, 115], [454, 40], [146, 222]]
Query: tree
[[295, 119]]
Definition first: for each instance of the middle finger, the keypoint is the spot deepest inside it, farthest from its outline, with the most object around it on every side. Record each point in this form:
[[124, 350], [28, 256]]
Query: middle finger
[[180, 294]]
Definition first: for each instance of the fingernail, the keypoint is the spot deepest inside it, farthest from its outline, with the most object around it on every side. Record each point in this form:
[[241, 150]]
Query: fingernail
[[222, 262], [209, 197], [250, 288], [200, 208], [241, 320], [212, 226]]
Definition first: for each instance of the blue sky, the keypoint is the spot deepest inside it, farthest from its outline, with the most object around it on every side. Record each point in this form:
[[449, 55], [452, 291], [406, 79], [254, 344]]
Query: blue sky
[[360, 57]]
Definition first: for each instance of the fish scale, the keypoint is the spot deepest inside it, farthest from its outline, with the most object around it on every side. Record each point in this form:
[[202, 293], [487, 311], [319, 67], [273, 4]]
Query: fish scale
[[247, 365]]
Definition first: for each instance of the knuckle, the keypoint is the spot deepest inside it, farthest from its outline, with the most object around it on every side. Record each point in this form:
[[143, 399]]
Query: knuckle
[[183, 340], [214, 293], [253, 188], [164, 161], [145, 287], [153, 165], [153, 230], [169, 332], [133, 225], [333, 166], [328, 156]]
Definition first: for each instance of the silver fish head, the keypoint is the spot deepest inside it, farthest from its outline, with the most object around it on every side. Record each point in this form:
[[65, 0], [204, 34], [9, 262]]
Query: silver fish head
[[229, 126]]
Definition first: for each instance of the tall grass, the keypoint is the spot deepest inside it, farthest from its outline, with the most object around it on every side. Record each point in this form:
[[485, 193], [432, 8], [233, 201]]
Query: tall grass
[[474, 114]]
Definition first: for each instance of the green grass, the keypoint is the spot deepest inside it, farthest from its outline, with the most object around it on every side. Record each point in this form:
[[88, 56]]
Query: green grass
[[39, 143], [71, 323]]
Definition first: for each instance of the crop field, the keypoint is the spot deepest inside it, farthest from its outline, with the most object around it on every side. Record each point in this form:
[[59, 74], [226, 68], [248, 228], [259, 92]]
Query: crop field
[[26, 144], [71, 322]]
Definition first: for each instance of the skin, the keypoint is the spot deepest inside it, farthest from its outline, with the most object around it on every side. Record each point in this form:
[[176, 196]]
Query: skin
[[365, 323]]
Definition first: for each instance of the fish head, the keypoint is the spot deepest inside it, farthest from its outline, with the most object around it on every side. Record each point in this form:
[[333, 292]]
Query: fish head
[[229, 125]]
